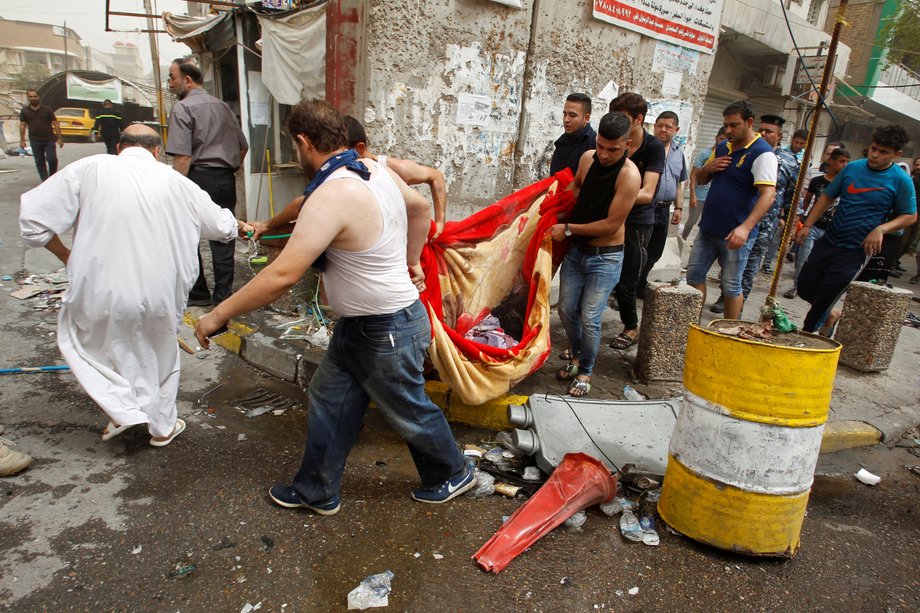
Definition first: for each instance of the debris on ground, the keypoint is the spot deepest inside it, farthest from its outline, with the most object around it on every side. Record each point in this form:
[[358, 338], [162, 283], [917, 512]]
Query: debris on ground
[[137, 550], [617, 506], [911, 320], [633, 591], [630, 393], [649, 534], [258, 411], [223, 544], [864, 476], [268, 543], [182, 570], [249, 607], [576, 521], [759, 331], [373, 592], [485, 485], [629, 526]]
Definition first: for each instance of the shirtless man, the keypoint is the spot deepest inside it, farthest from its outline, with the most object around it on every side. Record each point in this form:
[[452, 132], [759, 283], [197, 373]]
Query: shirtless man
[[606, 186]]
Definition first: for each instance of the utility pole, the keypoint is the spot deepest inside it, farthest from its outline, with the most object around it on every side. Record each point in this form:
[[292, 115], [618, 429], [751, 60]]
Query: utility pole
[[155, 58], [65, 51]]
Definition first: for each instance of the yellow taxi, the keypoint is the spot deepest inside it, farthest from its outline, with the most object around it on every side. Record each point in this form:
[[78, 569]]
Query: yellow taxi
[[76, 123]]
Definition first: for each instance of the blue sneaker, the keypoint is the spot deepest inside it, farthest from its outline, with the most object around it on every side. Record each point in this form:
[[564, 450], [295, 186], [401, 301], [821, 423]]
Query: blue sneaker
[[447, 490], [286, 496]]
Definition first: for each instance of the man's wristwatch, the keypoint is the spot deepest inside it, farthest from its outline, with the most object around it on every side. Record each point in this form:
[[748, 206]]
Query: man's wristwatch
[[568, 230]]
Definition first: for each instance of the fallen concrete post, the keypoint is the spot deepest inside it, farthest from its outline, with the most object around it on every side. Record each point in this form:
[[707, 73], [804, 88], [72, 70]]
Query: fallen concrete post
[[870, 325], [666, 317]]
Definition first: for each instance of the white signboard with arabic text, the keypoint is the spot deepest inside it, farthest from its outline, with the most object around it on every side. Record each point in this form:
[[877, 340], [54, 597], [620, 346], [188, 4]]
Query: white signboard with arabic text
[[690, 23]]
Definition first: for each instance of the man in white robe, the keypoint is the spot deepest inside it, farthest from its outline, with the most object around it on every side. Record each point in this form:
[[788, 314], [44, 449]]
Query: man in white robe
[[137, 224]]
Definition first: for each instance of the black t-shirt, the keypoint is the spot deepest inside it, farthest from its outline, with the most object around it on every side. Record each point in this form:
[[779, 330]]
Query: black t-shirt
[[596, 194], [649, 157], [39, 122], [816, 187]]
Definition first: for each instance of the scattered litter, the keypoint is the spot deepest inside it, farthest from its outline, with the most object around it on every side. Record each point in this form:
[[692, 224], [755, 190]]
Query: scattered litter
[[28, 292], [380, 463], [223, 544], [240, 437], [760, 331], [278, 412], [914, 468], [7, 278], [633, 591], [909, 320], [631, 394], [619, 593], [506, 489], [566, 581], [472, 453], [417, 555], [576, 521], [137, 550], [868, 478], [617, 506], [268, 543], [201, 355], [437, 556], [644, 483], [372, 592], [249, 607], [653, 495], [629, 526], [649, 534], [532, 473], [182, 570], [485, 485], [258, 411]]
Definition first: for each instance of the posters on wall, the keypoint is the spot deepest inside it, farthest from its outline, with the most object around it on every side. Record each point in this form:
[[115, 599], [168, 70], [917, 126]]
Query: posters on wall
[[473, 109], [690, 23], [674, 58]]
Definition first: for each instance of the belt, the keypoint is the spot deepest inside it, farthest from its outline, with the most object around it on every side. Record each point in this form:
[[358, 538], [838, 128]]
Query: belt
[[592, 250], [213, 168], [664, 203]]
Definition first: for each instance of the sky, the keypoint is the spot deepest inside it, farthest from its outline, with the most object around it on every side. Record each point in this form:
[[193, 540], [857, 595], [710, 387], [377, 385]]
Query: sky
[[87, 18]]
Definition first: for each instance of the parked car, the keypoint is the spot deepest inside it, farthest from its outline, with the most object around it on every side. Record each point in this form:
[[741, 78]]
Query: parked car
[[76, 123]]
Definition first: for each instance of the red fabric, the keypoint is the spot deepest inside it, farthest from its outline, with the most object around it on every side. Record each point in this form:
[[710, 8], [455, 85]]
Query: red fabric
[[476, 232]]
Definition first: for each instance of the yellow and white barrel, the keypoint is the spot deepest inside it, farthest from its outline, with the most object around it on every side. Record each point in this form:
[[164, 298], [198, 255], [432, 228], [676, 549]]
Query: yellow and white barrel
[[743, 453]]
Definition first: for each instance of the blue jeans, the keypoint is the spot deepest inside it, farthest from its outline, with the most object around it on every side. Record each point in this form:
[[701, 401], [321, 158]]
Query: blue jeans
[[805, 249], [375, 358], [45, 156], [585, 283], [707, 248]]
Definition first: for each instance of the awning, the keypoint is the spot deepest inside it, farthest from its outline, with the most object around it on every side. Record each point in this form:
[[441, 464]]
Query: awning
[[208, 33]]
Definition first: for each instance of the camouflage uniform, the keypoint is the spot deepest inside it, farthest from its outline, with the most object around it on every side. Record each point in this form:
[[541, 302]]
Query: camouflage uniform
[[786, 175]]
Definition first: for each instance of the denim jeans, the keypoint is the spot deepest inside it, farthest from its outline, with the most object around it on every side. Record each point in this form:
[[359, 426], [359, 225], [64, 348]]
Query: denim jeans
[[707, 248], [805, 249], [375, 358], [585, 283], [45, 156]]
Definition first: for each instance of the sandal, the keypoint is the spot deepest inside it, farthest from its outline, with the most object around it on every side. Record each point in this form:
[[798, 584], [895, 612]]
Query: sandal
[[567, 355], [162, 442], [569, 372], [623, 341], [579, 388], [111, 430]]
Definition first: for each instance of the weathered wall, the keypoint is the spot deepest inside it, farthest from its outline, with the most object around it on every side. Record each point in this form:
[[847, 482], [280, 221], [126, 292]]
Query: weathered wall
[[423, 54]]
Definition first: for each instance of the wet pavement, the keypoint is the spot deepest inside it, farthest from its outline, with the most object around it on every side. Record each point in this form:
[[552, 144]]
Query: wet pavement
[[94, 526]]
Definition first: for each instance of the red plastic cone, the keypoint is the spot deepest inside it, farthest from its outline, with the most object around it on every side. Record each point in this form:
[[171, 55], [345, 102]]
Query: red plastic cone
[[578, 482]]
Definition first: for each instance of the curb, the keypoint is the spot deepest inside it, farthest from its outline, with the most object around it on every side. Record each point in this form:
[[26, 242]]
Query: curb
[[282, 361]]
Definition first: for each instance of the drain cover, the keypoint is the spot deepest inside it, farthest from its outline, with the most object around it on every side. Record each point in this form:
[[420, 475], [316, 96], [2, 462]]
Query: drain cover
[[261, 397]]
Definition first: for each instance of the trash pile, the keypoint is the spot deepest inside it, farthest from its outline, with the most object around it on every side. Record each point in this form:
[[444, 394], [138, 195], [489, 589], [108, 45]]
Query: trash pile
[[43, 291], [501, 468], [758, 331], [312, 326]]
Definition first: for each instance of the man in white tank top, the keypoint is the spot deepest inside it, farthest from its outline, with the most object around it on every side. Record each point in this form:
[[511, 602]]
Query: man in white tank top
[[371, 227]]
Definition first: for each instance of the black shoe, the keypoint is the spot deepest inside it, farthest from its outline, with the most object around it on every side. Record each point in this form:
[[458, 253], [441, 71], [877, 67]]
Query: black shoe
[[287, 497], [718, 306], [791, 293], [199, 302]]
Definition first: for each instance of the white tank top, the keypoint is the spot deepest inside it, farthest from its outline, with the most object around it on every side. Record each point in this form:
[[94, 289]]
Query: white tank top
[[375, 281]]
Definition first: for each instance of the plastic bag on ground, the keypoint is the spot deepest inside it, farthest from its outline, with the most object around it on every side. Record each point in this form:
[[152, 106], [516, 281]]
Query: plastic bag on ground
[[371, 593], [485, 485]]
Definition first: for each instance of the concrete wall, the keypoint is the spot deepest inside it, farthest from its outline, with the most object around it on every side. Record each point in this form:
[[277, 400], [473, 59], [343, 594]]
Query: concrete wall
[[423, 54]]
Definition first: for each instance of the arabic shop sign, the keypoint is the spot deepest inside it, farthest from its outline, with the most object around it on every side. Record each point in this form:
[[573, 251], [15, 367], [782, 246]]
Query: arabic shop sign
[[95, 91], [690, 23]]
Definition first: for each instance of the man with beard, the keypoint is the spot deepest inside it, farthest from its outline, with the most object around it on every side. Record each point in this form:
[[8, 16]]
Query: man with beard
[[207, 146]]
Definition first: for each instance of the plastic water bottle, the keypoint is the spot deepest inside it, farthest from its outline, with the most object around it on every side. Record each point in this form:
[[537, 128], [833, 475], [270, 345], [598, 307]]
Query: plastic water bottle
[[629, 526], [631, 394]]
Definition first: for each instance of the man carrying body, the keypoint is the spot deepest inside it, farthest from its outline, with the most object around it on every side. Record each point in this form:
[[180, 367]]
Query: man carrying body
[[670, 191], [136, 224], [876, 198], [647, 153], [410, 172], [838, 159], [207, 146], [578, 135], [698, 193], [743, 175], [606, 185], [372, 227], [108, 124], [787, 171], [44, 131]]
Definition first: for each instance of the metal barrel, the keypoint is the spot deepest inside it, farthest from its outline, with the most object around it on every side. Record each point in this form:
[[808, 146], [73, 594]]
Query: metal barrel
[[742, 456]]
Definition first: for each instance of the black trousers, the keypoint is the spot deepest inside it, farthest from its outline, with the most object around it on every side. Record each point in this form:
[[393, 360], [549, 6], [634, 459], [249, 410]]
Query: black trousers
[[825, 276], [634, 256], [656, 243], [880, 265], [220, 185], [45, 156], [110, 142]]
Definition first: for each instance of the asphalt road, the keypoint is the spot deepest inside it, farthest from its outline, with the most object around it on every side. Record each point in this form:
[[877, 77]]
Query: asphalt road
[[100, 526]]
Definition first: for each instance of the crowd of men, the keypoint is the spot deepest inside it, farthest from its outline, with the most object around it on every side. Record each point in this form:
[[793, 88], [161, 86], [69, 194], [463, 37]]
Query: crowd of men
[[358, 216]]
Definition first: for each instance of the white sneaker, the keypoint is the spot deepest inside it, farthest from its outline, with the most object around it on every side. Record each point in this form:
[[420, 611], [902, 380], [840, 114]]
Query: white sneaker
[[11, 462]]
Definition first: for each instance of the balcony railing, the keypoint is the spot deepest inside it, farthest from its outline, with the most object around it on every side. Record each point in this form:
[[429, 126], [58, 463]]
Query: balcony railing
[[905, 80]]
